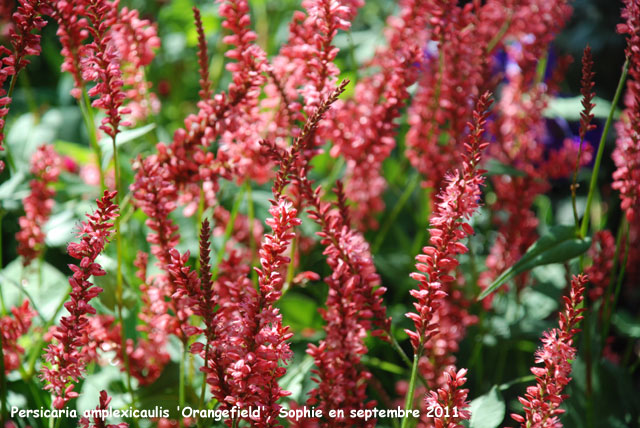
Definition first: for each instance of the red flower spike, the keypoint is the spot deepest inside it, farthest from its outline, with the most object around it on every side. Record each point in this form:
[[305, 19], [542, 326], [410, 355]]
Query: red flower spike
[[25, 40], [450, 401], [627, 153], [45, 166], [457, 203], [100, 64], [354, 307], [12, 327], [98, 421], [587, 85], [203, 57], [65, 357], [135, 40], [542, 401]]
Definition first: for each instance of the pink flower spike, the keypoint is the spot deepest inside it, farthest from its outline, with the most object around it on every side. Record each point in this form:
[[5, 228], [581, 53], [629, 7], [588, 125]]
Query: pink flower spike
[[450, 401], [542, 401], [65, 355], [45, 166], [627, 153], [457, 203]]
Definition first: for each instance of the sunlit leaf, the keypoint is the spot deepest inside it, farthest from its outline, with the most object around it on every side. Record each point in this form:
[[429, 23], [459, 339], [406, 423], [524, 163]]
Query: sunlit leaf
[[558, 245]]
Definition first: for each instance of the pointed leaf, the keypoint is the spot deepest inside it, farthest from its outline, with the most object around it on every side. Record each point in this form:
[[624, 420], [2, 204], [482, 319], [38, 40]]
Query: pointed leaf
[[558, 245], [487, 411]]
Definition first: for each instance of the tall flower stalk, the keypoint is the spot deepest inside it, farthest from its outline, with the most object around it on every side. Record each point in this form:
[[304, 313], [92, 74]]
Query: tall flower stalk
[[65, 357], [100, 64], [457, 203], [542, 401], [25, 41]]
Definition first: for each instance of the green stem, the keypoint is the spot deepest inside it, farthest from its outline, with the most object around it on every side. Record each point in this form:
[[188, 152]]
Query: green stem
[[609, 309], [33, 358], [574, 187], [2, 305], [227, 233], [31, 101], [408, 191], [203, 390], [181, 386], [584, 228], [522, 379], [120, 281], [586, 322], [499, 35], [252, 243], [408, 402], [89, 120], [12, 86], [291, 269], [58, 421], [614, 269], [3, 386], [399, 349]]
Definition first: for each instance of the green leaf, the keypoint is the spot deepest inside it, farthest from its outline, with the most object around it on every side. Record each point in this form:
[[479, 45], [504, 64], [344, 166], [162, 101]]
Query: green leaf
[[298, 311], [487, 411], [626, 324], [559, 244], [495, 167], [122, 138], [41, 282], [79, 153]]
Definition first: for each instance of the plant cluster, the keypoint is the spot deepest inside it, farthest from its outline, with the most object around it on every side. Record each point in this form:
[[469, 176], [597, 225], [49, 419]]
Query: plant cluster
[[347, 214]]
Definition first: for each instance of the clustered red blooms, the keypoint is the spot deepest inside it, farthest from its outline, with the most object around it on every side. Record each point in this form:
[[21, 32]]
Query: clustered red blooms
[[45, 166], [457, 203], [72, 32], [98, 421], [451, 399], [198, 293], [446, 49], [451, 72], [64, 355], [245, 341], [100, 63], [12, 328], [364, 128], [258, 371], [354, 307], [25, 40], [627, 153], [135, 41], [203, 57], [602, 252], [542, 401], [586, 89], [149, 356], [250, 344], [315, 56], [520, 130], [156, 196], [6, 71]]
